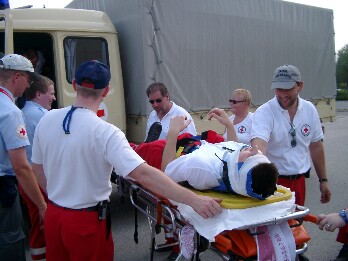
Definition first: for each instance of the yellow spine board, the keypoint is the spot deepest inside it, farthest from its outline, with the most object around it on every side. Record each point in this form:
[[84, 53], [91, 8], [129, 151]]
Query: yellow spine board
[[240, 202]]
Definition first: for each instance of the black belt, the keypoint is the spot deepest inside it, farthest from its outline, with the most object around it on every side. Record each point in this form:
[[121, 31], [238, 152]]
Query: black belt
[[296, 176], [291, 177], [89, 209]]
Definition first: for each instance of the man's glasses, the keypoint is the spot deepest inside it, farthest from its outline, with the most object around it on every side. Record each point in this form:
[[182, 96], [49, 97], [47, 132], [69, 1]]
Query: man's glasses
[[292, 132], [30, 82], [234, 101], [159, 100]]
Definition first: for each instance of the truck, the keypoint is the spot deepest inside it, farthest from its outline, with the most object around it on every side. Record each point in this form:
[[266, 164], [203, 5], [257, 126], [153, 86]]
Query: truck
[[200, 49]]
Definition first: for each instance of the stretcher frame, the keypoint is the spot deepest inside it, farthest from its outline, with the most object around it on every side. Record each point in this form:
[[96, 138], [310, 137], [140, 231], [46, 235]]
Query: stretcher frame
[[157, 209]]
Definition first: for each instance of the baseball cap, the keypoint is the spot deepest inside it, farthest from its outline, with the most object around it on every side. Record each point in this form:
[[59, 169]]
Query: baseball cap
[[96, 73], [16, 62], [285, 76]]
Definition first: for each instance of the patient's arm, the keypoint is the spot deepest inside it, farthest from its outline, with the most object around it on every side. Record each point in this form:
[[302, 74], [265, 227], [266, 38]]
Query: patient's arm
[[222, 117], [156, 181], [177, 124]]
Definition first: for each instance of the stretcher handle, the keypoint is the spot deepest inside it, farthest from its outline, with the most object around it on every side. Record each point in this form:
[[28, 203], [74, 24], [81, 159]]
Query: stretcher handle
[[302, 212], [135, 189]]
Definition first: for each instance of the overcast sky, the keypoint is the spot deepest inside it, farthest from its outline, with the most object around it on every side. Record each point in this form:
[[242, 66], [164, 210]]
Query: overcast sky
[[338, 6]]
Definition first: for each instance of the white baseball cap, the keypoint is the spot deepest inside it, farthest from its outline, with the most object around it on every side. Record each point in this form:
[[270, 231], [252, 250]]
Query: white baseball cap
[[16, 62]]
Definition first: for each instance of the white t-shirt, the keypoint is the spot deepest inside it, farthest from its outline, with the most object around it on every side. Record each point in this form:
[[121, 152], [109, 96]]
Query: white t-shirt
[[271, 123], [78, 165], [174, 111], [242, 129]]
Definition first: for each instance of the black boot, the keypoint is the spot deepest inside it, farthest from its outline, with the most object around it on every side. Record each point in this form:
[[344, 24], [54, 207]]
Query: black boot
[[154, 132]]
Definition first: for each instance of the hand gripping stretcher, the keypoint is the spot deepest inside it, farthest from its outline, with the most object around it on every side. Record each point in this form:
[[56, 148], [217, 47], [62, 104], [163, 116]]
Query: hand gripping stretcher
[[235, 244]]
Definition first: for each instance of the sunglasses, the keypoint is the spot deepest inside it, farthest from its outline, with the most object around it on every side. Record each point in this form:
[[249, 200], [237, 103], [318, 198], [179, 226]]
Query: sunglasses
[[159, 100], [292, 132], [234, 101]]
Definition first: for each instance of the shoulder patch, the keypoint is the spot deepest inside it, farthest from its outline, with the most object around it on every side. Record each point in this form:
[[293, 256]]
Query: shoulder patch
[[21, 132]]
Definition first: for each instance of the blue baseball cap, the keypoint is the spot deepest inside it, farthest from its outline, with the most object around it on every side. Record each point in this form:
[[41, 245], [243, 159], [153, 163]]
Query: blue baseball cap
[[285, 77], [93, 74]]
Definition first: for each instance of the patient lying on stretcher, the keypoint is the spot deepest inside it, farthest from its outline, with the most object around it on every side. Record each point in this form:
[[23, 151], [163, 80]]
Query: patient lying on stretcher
[[225, 166]]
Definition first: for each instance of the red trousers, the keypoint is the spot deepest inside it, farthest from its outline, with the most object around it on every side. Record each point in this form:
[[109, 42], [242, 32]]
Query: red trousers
[[75, 235], [298, 186], [342, 236], [37, 241]]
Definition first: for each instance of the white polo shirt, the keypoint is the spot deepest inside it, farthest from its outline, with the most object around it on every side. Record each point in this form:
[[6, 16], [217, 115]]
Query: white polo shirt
[[242, 129], [78, 165], [174, 111], [271, 123]]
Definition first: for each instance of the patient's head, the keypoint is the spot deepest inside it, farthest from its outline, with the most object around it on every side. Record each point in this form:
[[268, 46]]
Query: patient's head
[[264, 179]]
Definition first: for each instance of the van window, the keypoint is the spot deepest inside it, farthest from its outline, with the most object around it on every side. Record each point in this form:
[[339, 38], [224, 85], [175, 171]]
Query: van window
[[42, 44], [79, 49]]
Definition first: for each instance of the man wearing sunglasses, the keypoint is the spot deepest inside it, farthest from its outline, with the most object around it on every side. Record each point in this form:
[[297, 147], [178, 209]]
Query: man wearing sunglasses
[[163, 110], [288, 131]]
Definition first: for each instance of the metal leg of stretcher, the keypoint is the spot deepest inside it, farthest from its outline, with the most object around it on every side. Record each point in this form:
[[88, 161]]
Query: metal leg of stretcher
[[149, 201]]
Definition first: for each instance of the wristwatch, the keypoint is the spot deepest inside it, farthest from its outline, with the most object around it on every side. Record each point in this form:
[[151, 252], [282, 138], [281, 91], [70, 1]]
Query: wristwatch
[[343, 215]]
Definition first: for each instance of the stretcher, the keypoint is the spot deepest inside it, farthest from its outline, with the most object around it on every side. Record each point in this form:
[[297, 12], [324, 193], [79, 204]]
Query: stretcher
[[162, 214]]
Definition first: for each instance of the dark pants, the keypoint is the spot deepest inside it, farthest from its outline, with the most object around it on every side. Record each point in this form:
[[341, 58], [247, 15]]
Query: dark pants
[[12, 247]]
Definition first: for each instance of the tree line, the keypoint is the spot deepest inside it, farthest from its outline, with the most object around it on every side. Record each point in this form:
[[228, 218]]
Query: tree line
[[342, 68]]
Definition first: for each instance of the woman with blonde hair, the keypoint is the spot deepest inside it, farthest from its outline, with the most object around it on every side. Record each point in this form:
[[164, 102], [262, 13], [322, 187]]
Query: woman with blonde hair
[[240, 103]]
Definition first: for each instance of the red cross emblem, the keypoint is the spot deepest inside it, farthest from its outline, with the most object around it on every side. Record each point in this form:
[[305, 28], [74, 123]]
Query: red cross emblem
[[241, 129], [305, 130], [21, 132]]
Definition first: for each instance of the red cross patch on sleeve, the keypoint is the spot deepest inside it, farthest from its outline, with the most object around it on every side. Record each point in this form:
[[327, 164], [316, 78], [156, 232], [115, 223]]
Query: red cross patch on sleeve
[[21, 132]]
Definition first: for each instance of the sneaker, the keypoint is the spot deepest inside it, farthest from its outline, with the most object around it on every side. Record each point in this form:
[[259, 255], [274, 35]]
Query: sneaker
[[343, 254], [187, 247], [154, 132]]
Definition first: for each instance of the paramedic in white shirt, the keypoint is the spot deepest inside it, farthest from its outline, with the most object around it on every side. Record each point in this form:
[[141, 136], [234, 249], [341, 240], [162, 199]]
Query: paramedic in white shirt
[[288, 131], [164, 109], [240, 103]]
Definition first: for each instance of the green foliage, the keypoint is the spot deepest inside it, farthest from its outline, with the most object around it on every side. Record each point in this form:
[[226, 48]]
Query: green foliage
[[342, 95], [342, 66]]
